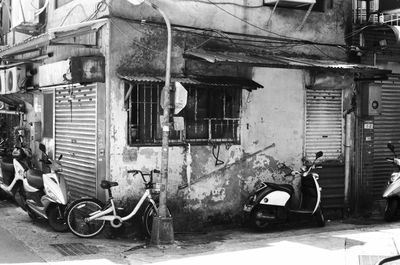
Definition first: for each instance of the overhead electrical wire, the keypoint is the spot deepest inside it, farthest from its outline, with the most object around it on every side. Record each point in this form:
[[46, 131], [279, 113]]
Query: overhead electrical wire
[[271, 32], [248, 23], [227, 3]]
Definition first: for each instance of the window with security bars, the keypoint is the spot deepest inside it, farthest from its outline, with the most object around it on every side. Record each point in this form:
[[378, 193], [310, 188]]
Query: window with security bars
[[211, 114]]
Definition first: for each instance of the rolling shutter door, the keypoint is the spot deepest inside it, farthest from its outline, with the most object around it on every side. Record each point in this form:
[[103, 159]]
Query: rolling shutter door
[[324, 124], [75, 137], [386, 129]]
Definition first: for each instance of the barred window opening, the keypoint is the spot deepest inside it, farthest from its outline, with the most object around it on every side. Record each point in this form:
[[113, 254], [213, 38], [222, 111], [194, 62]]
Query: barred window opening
[[211, 114]]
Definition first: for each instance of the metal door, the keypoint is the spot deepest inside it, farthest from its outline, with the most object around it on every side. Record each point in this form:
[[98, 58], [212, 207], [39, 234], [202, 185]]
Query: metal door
[[324, 124], [324, 132], [386, 128], [75, 137]]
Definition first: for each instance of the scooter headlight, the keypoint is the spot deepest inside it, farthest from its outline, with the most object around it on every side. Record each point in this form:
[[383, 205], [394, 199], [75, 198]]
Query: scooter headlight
[[394, 177]]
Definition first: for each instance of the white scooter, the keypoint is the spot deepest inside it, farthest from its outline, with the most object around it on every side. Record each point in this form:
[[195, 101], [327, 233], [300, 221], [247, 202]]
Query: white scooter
[[392, 191], [46, 193], [271, 203]]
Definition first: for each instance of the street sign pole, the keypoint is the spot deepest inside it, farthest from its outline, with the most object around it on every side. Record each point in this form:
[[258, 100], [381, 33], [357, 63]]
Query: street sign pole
[[162, 230]]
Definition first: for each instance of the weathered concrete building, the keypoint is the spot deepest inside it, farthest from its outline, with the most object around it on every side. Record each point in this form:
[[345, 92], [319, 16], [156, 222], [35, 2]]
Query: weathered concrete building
[[267, 84]]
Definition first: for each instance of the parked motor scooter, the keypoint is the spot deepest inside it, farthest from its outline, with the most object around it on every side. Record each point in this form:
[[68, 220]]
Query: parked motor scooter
[[13, 171], [5, 155], [392, 191], [271, 203], [46, 193]]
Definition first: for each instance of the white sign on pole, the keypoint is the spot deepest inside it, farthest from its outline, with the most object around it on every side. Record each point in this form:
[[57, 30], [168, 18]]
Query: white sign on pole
[[180, 99]]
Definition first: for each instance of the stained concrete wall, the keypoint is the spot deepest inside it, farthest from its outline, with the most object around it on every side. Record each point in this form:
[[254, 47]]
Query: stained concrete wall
[[251, 17], [272, 128], [272, 125]]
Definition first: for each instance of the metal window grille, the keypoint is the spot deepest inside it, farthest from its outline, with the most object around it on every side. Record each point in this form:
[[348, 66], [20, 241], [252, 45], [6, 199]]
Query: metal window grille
[[212, 114]]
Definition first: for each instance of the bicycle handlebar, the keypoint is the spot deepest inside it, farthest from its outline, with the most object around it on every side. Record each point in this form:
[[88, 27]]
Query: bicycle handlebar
[[134, 172]]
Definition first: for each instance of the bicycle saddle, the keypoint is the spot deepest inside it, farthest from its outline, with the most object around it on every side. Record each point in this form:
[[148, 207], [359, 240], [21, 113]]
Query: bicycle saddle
[[105, 184]]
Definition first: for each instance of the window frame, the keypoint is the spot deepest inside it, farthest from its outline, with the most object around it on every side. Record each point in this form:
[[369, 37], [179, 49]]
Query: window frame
[[228, 124]]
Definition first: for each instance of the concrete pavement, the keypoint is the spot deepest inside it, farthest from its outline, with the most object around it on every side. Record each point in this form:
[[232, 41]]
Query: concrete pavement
[[348, 243]]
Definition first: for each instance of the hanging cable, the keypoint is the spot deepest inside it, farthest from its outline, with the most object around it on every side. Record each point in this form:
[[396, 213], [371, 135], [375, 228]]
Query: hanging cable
[[216, 146]]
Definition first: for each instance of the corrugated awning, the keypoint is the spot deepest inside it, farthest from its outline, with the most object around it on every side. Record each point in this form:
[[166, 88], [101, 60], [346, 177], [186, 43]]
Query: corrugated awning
[[53, 35], [219, 81], [281, 62]]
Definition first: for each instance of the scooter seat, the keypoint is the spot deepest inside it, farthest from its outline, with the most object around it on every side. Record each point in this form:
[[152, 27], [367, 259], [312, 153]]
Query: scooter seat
[[283, 187], [35, 178], [105, 184]]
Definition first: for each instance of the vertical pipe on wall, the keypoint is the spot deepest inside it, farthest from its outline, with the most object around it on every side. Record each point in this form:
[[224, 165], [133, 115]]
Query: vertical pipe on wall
[[347, 165]]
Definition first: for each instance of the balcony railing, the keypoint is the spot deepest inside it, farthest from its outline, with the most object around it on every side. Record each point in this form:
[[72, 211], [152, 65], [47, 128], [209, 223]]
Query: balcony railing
[[360, 8]]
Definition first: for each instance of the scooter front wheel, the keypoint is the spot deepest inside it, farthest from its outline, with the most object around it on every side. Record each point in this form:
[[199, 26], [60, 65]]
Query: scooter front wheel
[[391, 209], [78, 211], [319, 217], [56, 218], [20, 197]]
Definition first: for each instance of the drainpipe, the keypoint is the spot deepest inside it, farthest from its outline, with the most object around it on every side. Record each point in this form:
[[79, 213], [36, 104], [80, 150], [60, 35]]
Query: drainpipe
[[347, 163]]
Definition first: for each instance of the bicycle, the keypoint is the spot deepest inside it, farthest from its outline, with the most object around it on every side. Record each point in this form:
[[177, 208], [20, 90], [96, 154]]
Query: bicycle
[[86, 217]]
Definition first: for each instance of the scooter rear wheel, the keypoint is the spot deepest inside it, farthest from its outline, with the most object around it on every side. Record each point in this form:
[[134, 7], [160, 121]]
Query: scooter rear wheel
[[76, 214], [257, 218]]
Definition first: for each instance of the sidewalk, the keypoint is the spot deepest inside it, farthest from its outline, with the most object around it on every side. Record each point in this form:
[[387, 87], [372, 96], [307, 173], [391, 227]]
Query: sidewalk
[[337, 243]]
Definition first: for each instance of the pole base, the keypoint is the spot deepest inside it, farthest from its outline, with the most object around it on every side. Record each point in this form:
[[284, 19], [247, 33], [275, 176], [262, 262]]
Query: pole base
[[162, 232]]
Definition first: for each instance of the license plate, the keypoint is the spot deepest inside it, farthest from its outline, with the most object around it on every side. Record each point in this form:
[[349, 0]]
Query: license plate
[[247, 208]]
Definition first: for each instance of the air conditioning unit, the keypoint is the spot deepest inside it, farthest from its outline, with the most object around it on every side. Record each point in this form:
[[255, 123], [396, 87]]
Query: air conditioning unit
[[14, 79], [290, 3], [2, 82], [24, 12]]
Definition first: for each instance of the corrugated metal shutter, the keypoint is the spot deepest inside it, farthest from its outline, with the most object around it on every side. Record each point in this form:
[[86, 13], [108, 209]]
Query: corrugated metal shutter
[[75, 137], [324, 124], [386, 129]]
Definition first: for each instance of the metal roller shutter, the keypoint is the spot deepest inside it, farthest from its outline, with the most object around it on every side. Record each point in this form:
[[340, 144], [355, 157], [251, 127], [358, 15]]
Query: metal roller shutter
[[324, 124], [75, 137], [386, 129]]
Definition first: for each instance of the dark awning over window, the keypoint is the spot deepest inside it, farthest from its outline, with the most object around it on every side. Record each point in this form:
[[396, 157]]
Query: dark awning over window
[[277, 61], [219, 81]]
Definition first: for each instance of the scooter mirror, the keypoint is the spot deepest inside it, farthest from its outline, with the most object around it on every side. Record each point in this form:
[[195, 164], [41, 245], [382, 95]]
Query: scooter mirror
[[59, 158], [391, 147], [319, 154], [42, 148]]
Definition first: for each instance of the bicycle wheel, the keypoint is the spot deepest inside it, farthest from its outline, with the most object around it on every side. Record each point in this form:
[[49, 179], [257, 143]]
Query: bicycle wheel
[[147, 219], [78, 211]]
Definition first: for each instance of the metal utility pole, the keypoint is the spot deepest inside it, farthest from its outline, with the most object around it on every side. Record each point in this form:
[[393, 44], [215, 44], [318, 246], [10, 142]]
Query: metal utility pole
[[162, 230]]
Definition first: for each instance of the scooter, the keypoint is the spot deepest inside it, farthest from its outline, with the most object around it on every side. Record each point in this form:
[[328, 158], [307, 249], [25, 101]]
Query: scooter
[[13, 171], [271, 203], [392, 191], [46, 193], [5, 156]]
